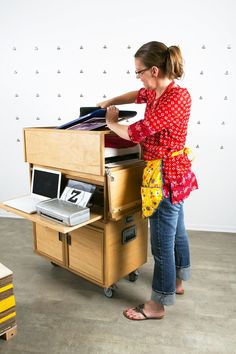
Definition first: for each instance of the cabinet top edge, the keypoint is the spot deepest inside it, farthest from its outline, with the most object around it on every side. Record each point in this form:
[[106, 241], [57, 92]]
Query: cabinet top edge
[[67, 131]]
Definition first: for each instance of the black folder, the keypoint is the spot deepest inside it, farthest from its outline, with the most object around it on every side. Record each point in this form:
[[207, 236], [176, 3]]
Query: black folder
[[94, 119]]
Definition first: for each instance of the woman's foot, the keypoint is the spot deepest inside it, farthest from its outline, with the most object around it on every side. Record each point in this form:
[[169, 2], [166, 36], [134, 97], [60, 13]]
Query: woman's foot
[[147, 311], [179, 288]]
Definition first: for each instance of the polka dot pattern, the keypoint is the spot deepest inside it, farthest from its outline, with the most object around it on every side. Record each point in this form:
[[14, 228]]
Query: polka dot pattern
[[162, 132]]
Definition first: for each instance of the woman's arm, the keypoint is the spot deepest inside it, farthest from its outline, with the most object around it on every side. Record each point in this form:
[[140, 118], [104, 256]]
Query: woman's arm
[[112, 115], [126, 98]]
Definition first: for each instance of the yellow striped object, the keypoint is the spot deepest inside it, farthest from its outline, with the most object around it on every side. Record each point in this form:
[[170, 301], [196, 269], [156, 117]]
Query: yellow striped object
[[7, 317], [7, 303], [5, 288]]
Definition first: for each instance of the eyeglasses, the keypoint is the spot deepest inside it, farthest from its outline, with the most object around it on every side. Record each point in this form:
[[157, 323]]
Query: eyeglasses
[[140, 72]]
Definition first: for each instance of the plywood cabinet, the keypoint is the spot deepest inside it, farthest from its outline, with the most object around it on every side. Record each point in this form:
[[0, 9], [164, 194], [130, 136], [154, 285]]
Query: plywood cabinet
[[113, 243], [102, 253]]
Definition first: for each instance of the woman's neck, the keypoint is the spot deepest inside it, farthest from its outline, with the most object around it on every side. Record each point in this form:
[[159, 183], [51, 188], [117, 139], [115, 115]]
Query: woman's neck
[[162, 86]]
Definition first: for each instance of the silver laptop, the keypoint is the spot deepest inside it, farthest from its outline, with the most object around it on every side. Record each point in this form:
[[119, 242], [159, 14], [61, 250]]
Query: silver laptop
[[46, 184]]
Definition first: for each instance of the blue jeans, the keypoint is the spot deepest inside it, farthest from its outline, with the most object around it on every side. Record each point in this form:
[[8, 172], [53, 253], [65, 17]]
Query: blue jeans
[[170, 249]]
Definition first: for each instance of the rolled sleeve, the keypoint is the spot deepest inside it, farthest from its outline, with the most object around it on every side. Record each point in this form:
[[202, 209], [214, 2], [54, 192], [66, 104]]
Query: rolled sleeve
[[139, 131], [142, 96]]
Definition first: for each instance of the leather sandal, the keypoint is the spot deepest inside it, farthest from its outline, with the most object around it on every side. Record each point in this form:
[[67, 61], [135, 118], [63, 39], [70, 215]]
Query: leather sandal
[[140, 309]]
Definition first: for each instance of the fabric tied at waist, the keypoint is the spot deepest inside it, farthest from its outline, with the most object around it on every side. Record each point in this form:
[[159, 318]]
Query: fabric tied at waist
[[186, 151], [152, 184]]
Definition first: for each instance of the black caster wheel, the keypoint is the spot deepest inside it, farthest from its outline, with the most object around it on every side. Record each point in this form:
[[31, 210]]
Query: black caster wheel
[[133, 276], [108, 292], [54, 264]]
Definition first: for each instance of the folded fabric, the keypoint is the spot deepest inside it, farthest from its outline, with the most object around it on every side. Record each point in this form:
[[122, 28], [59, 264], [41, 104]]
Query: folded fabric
[[6, 294], [6, 276], [5, 288], [7, 324], [7, 303], [114, 141], [8, 317], [7, 312]]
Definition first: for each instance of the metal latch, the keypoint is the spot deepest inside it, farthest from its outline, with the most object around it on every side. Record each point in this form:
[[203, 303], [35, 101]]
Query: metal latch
[[108, 173]]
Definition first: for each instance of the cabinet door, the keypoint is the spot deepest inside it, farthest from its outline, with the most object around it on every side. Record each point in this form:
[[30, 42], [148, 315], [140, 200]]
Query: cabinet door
[[125, 247], [86, 252], [49, 243], [124, 190]]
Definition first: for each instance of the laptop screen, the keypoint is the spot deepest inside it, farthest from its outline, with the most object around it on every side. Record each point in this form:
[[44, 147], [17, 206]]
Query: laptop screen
[[46, 183]]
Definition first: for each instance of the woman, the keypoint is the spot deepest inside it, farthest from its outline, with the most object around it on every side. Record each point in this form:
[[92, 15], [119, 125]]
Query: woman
[[167, 178]]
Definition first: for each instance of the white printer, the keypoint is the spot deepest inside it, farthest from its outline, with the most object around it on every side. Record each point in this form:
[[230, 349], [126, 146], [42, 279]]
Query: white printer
[[62, 211]]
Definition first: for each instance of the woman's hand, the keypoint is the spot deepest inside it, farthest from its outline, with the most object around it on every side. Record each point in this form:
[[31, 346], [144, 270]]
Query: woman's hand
[[112, 115]]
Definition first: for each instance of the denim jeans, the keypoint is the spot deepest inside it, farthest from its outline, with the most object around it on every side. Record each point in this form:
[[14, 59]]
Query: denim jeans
[[170, 249]]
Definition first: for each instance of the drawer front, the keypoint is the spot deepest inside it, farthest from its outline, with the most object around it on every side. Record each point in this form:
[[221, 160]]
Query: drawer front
[[49, 243], [64, 149], [85, 254], [124, 190]]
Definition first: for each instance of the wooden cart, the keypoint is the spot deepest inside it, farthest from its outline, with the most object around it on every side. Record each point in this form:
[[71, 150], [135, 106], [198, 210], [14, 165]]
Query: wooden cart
[[113, 243]]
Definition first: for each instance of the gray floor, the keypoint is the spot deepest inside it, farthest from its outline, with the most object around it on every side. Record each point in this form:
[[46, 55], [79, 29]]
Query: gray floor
[[60, 313]]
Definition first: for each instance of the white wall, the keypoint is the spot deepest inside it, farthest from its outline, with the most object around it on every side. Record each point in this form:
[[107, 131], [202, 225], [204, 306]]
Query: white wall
[[41, 59]]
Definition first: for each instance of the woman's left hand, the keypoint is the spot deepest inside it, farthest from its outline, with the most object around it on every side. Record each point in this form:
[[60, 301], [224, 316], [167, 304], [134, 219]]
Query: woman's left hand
[[112, 114]]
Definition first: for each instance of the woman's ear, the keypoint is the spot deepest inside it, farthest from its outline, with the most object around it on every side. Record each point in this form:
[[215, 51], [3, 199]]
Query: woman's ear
[[155, 71]]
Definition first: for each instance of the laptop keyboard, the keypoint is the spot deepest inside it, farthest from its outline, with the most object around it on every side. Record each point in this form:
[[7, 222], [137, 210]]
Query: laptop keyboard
[[26, 204]]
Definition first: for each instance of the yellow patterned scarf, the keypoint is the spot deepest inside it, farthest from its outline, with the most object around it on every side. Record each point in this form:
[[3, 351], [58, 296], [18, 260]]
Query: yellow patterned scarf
[[151, 189]]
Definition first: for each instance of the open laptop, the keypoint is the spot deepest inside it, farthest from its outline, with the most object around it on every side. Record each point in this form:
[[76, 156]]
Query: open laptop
[[45, 184]]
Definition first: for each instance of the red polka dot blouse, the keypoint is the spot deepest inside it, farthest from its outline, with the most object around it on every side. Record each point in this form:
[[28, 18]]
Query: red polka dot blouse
[[162, 132]]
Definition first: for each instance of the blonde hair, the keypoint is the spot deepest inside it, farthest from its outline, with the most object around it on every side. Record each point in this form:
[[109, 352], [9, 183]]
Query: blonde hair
[[168, 59]]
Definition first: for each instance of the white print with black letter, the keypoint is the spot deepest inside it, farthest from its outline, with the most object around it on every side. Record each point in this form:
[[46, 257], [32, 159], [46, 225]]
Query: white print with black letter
[[76, 196]]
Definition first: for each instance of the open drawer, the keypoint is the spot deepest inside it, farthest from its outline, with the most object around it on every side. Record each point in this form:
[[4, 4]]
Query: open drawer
[[124, 189]]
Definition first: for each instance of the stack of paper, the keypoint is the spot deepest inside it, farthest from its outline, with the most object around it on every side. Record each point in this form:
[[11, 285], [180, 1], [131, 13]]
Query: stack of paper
[[7, 299]]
